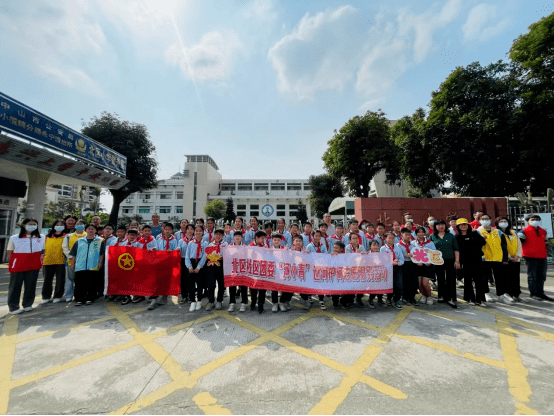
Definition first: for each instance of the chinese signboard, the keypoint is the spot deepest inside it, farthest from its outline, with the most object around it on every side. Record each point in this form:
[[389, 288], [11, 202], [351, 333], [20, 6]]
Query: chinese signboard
[[18, 119]]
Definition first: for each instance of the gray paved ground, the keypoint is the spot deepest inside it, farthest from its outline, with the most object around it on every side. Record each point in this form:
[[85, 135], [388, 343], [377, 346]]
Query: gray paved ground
[[430, 359]]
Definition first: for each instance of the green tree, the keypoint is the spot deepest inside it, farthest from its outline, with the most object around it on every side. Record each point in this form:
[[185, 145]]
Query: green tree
[[103, 217], [230, 210], [215, 208], [469, 134], [132, 140], [126, 220], [413, 153], [301, 213], [359, 150], [324, 188]]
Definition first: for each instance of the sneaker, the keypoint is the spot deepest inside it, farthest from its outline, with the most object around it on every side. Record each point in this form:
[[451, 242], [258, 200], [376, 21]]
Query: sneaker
[[242, 307], [28, 309], [125, 301], [507, 299], [536, 298], [78, 303], [307, 304], [45, 301], [162, 300], [282, 307], [209, 306], [89, 302], [545, 297], [183, 300], [311, 300], [371, 305], [441, 300], [261, 309], [389, 302], [381, 303], [198, 305], [17, 312], [359, 303], [491, 284], [287, 306], [482, 304], [452, 304], [252, 306], [138, 299], [225, 294], [397, 305], [470, 303], [117, 298], [192, 307], [231, 307], [412, 302], [488, 297], [152, 304], [322, 305], [519, 299], [68, 299], [423, 299], [57, 300], [429, 301], [218, 306], [460, 284], [275, 307]]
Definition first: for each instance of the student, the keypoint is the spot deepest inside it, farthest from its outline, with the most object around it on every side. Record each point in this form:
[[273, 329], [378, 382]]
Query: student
[[512, 287], [409, 221], [238, 227], [165, 242], [250, 235], [446, 273], [316, 246], [67, 244], [533, 248], [369, 232], [258, 295], [186, 238], [146, 242], [354, 229], [286, 236], [397, 261], [53, 264], [338, 248], [277, 243], [396, 230], [338, 236], [307, 234], [380, 236], [108, 234], [410, 282], [135, 225], [130, 240], [452, 229], [209, 233], [326, 239], [375, 247], [425, 272], [268, 228], [227, 237], [354, 246], [20, 253], [237, 241], [88, 255], [431, 225], [195, 260], [200, 221], [215, 273], [294, 231], [471, 244], [182, 231]]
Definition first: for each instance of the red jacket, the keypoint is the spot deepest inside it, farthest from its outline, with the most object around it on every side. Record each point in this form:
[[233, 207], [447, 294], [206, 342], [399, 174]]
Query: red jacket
[[534, 245], [474, 224]]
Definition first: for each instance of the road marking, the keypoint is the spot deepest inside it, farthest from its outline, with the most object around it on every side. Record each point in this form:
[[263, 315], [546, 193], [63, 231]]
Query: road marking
[[7, 356], [208, 404], [3, 292]]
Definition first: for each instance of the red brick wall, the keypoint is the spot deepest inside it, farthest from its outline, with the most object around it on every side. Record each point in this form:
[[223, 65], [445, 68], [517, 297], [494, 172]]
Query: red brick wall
[[389, 209]]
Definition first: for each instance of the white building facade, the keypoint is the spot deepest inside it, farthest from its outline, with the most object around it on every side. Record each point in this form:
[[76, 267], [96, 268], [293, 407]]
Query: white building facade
[[186, 194]]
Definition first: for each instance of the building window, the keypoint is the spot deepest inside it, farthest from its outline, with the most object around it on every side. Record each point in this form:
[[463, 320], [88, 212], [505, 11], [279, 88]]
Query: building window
[[127, 210], [241, 213], [294, 187], [144, 210], [307, 187], [146, 196], [178, 210], [241, 207], [254, 213], [132, 196], [165, 196], [281, 206], [186, 173], [252, 206], [281, 213], [261, 187], [277, 186], [293, 207], [245, 186], [179, 195], [228, 187], [165, 210]]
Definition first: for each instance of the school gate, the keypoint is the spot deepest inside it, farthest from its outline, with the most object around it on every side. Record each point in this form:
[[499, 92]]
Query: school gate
[[387, 210]]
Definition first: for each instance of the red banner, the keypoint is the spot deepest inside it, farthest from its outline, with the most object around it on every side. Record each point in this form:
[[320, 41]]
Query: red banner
[[133, 271]]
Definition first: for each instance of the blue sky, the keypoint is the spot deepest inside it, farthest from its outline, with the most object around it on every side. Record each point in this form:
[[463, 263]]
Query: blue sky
[[261, 82]]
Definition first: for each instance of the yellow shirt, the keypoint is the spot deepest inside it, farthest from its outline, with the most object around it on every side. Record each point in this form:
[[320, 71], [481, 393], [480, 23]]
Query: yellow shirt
[[53, 252], [493, 249]]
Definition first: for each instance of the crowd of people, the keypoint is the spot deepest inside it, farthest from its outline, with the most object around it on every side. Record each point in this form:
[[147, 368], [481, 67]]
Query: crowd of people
[[480, 255]]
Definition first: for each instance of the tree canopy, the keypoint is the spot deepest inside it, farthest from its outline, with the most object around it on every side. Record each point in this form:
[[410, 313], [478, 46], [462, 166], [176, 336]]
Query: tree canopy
[[324, 188], [215, 208]]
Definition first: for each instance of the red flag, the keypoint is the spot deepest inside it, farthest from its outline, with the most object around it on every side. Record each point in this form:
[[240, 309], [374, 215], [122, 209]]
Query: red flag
[[132, 271]]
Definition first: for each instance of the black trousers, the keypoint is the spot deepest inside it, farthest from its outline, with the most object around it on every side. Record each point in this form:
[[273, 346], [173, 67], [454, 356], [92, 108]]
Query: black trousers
[[285, 297], [196, 282], [215, 275], [243, 294], [86, 283], [499, 271], [257, 296], [184, 279], [397, 284], [100, 282], [410, 282], [49, 271], [512, 278], [472, 273], [446, 280], [306, 297], [17, 280]]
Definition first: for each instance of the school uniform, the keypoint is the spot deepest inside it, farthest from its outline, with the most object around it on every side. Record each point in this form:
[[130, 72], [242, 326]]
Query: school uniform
[[326, 240], [196, 259], [333, 239], [233, 290], [248, 237], [364, 242], [380, 240], [182, 243], [234, 230], [257, 295], [86, 254], [307, 239], [180, 234], [215, 274], [349, 298], [285, 296], [228, 238], [396, 272], [410, 282], [286, 237], [208, 236]]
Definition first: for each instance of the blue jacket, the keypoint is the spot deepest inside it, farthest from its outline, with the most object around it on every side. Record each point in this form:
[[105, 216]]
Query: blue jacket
[[191, 253]]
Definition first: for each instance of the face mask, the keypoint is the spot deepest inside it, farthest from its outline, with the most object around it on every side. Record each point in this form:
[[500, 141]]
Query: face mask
[[79, 227], [410, 220], [503, 225], [486, 223], [30, 228], [59, 228], [432, 222], [534, 223]]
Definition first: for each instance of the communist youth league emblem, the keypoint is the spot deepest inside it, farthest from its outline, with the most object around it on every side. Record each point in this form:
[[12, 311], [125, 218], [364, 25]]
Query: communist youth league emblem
[[126, 261]]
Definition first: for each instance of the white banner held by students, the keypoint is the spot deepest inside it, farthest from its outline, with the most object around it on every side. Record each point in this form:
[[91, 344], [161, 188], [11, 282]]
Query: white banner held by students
[[310, 273]]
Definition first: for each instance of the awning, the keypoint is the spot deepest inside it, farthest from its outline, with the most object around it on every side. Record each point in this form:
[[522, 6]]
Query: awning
[[342, 206]]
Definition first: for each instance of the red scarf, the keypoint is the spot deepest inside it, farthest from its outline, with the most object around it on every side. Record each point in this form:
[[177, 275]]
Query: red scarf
[[336, 237], [198, 248], [326, 242], [318, 247], [167, 240], [310, 237], [405, 245], [186, 239], [392, 251], [217, 247], [144, 241], [421, 244], [209, 235], [352, 248], [370, 236]]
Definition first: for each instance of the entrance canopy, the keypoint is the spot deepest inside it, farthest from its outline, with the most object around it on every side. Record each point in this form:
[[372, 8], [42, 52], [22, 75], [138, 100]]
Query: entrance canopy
[[342, 206]]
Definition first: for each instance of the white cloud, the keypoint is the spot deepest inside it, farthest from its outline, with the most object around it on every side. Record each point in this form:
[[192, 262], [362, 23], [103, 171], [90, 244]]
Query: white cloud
[[332, 49], [210, 59], [480, 25], [59, 40]]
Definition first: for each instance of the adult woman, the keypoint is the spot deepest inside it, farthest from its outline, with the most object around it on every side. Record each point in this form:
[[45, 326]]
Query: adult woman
[[446, 243], [25, 252], [88, 254], [496, 259], [513, 243], [68, 242], [471, 245], [54, 263], [69, 223], [425, 272]]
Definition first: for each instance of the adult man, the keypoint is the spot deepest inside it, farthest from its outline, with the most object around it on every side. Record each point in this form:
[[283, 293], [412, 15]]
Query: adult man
[[533, 244], [96, 220], [156, 227], [330, 226], [476, 219]]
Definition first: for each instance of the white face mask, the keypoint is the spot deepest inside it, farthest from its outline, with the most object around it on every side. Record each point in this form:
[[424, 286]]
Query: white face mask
[[59, 228], [534, 223], [486, 223], [432, 222], [410, 220], [30, 228], [503, 225]]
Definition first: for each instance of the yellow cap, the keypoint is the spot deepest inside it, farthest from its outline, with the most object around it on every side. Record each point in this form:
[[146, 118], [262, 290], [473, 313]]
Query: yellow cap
[[461, 221]]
